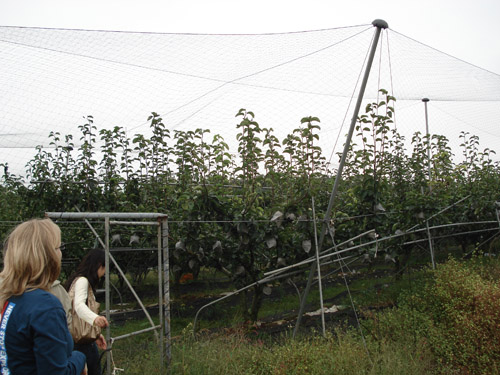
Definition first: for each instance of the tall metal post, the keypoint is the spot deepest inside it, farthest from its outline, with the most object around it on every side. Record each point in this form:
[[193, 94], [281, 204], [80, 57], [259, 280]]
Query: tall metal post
[[497, 210], [160, 294], [431, 247], [426, 100], [379, 24], [320, 285], [429, 173], [166, 290], [106, 282]]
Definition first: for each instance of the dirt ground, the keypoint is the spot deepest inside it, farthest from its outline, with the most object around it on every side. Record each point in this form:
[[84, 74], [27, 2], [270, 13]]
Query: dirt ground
[[188, 298]]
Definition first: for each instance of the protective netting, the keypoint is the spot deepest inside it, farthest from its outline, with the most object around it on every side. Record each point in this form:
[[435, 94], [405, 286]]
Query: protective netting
[[52, 78]]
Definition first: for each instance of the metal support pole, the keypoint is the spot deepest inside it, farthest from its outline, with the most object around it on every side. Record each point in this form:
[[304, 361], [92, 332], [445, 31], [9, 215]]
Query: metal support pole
[[431, 248], [106, 282], [429, 238], [379, 24], [426, 100], [160, 295], [320, 285], [497, 210], [166, 290], [430, 244]]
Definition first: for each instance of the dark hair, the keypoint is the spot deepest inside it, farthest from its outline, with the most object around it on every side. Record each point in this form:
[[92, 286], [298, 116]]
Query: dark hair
[[88, 267]]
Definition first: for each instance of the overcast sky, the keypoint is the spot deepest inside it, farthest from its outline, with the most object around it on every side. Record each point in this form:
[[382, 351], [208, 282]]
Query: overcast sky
[[466, 29]]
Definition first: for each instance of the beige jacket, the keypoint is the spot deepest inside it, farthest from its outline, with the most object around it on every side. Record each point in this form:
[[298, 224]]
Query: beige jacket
[[58, 290]]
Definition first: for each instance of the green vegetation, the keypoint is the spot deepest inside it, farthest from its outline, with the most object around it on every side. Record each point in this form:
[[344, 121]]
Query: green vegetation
[[247, 213], [446, 322]]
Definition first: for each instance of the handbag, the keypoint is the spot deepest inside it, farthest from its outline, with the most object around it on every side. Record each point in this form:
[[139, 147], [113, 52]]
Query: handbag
[[81, 331]]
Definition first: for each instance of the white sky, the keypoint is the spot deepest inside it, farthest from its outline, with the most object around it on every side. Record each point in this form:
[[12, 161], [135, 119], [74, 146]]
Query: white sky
[[468, 30]]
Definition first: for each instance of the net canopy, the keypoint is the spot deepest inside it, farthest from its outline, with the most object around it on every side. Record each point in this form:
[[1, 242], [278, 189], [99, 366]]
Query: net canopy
[[53, 78]]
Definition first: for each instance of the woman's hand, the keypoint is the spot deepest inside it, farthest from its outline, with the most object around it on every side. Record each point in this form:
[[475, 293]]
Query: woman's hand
[[101, 342], [84, 372], [101, 321]]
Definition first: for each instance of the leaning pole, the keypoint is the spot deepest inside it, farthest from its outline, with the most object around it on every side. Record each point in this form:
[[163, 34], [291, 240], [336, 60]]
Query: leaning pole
[[429, 161], [379, 24]]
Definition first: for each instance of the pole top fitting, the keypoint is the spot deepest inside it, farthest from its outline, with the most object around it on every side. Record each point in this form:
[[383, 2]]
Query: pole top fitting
[[380, 24], [425, 100]]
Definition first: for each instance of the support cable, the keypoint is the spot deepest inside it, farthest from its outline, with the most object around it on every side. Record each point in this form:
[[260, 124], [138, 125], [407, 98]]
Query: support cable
[[391, 79], [235, 81], [349, 104]]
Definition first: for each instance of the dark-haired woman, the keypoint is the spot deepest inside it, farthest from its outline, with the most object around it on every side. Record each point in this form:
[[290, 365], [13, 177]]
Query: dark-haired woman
[[84, 283]]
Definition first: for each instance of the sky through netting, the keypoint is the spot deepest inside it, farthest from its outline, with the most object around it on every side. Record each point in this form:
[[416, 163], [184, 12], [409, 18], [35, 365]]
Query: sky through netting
[[53, 78]]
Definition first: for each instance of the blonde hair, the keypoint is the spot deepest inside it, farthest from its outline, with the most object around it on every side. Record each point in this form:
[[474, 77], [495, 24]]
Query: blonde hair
[[31, 260]]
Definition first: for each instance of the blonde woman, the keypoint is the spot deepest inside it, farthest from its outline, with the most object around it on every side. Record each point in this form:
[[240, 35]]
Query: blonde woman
[[34, 337]]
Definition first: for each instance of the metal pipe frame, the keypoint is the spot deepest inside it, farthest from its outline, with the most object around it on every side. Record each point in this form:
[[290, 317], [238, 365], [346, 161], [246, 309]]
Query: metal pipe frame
[[135, 333], [103, 215], [162, 233], [150, 223]]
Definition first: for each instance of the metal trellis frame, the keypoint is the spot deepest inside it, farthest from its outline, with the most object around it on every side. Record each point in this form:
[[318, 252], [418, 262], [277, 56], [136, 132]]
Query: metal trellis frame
[[135, 218]]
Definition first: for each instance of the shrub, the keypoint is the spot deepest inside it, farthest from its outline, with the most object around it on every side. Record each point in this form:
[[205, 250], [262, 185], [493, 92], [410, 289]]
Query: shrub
[[458, 312]]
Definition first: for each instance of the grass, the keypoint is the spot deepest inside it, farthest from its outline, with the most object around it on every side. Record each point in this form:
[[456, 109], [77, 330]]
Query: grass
[[233, 352], [394, 341]]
